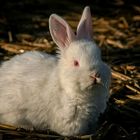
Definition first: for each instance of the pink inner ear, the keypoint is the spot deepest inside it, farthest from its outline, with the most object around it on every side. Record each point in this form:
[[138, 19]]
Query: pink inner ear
[[59, 32]]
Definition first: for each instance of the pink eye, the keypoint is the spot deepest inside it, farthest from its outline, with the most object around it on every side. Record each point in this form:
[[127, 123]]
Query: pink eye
[[76, 63]]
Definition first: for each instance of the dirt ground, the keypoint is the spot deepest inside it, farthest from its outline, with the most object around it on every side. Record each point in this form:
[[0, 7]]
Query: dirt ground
[[116, 27]]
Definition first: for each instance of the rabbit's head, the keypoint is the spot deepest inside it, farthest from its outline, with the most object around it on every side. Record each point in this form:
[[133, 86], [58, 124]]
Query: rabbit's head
[[80, 63]]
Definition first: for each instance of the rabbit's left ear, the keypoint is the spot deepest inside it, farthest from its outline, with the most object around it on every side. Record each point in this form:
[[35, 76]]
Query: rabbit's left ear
[[84, 29], [61, 32]]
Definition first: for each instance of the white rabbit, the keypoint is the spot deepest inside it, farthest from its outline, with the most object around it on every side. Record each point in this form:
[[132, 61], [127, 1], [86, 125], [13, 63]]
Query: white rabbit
[[65, 93]]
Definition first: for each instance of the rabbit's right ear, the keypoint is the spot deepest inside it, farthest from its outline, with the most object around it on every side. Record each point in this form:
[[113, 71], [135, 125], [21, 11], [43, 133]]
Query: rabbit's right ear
[[84, 29], [60, 31]]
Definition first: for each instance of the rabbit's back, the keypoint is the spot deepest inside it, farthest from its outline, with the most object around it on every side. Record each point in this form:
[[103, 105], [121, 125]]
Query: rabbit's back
[[22, 78]]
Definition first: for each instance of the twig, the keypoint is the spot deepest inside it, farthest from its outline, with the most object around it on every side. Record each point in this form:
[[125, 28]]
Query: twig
[[136, 18], [10, 36], [16, 133], [4, 126], [125, 78], [116, 31], [134, 97], [115, 43], [132, 111], [132, 88], [90, 137], [125, 23], [40, 45], [14, 48], [120, 76]]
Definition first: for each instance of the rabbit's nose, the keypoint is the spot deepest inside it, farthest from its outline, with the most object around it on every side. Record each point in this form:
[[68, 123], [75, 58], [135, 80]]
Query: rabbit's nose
[[95, 77]]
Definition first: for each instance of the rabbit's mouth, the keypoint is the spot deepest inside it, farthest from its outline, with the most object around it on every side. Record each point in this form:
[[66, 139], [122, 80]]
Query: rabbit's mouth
[[90, 86], [93, 85], [90, 83]]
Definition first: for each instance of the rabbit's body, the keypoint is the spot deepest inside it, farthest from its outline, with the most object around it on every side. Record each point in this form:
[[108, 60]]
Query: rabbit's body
[[22, 81], [65, 93]]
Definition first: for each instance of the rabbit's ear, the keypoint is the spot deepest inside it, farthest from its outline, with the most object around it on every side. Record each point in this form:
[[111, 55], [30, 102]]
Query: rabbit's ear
[[84, 29], [60, 31]]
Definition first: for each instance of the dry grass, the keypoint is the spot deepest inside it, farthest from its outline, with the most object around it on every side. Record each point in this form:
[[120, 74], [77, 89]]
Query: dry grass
[[119, 40]]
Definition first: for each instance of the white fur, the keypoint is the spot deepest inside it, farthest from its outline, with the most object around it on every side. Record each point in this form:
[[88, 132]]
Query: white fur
[[45, 91]]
